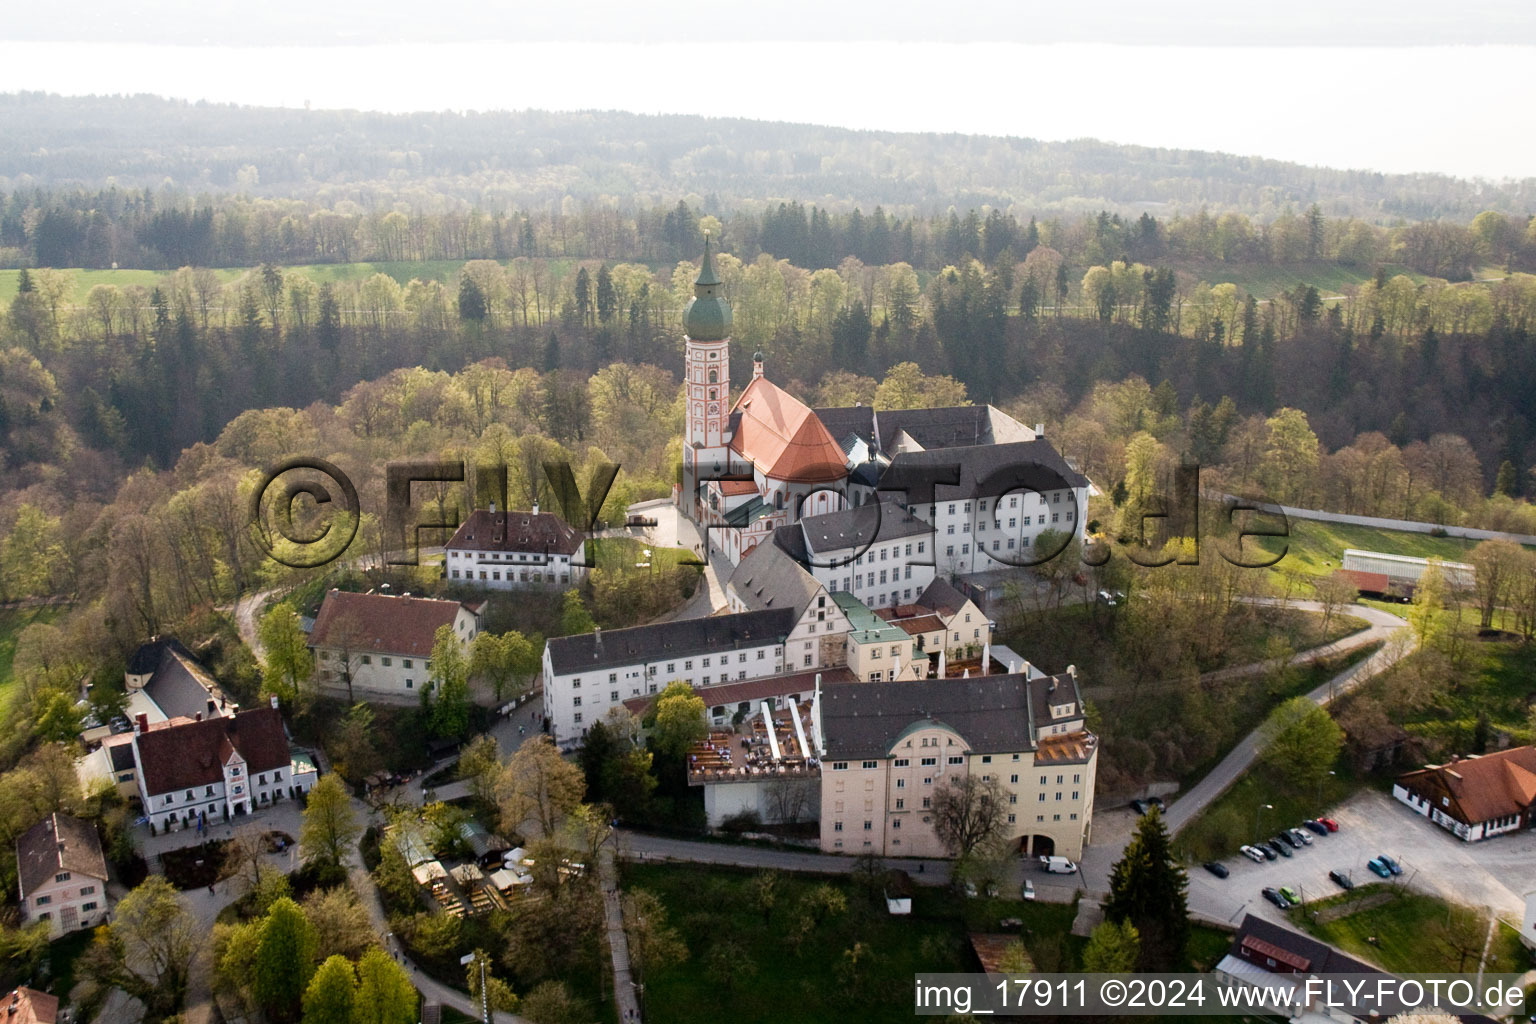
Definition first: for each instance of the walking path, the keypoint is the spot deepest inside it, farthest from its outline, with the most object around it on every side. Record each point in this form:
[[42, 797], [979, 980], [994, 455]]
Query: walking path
[[1385, 627], [432, 990], [624, 993]]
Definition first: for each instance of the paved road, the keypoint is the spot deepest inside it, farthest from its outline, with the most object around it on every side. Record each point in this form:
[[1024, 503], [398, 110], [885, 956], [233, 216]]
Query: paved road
[[1385, 627]]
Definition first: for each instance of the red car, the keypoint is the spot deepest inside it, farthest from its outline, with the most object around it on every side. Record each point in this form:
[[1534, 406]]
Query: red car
[[1329, 824]]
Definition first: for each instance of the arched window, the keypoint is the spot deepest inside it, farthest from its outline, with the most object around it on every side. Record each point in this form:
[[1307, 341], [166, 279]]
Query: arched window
[[778, 499], [711, 394], [713, 377]]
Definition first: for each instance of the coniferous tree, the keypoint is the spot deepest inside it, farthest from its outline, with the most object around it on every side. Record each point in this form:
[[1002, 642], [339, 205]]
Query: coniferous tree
[[1148, 889]]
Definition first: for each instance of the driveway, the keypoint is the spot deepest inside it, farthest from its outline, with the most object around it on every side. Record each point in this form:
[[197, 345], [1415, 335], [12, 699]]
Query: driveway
[[1493, 874]]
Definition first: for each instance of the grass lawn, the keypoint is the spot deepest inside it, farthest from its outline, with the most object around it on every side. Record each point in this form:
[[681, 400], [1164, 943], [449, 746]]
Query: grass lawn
[[1230, 821], [710, 906], [623, 554], [12, 622], [1317, 549], [1266, 281], [1411, 932]]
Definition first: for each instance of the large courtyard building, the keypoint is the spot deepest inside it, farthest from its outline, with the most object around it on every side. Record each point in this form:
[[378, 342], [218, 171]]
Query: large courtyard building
[[890, 747]]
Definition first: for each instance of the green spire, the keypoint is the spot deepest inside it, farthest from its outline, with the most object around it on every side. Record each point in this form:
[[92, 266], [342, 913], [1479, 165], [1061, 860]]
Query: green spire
[[707, 273], [708, 316]]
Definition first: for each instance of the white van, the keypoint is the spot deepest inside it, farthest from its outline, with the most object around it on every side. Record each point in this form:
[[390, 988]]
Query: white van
[[1057, 865]]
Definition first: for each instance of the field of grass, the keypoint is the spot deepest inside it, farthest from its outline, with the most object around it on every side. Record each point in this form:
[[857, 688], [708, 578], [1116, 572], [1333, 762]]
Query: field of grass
[[12, 622], [1410, 932], [1266, 281], [1317, 549], [427, 270]]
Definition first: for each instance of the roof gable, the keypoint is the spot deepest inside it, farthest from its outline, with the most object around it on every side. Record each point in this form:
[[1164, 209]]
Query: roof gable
[[58, 843], [195, 754]]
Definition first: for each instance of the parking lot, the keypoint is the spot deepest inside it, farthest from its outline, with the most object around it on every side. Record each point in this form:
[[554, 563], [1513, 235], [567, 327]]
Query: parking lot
[[1494, 874]]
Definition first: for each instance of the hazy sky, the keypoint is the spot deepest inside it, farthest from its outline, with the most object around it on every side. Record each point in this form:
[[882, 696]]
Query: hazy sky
[[1337, 88]]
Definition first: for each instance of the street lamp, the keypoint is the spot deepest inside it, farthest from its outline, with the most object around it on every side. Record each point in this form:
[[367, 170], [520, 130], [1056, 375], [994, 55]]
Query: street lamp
[[1256, 815], [1320, 780]]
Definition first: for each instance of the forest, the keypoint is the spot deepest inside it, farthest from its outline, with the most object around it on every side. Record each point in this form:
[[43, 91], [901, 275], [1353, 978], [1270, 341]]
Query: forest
[[498, 162]]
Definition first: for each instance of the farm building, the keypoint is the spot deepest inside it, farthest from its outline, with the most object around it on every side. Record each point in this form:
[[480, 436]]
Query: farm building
[[1404, 571]]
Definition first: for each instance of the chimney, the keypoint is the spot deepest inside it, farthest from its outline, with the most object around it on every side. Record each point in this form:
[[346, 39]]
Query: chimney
[[140, 724], [493, 508], [1039, 430], [274, 702], [198, 717], [212, 708], [535, 507]]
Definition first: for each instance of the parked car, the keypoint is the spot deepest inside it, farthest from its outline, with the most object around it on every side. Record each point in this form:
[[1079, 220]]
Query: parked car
[[1391, 865], [1252, 853], [1377, 867], [1029, 889], [1267, 850], [1108, 598], [1057, 865], [1290, 895], [1139, 806], [1281, 846], [1153, 801], [1284, 836], [1301, 836], [1314, 826], [1329, 824], [1340, 879], [1217, 868], [1273, 895]]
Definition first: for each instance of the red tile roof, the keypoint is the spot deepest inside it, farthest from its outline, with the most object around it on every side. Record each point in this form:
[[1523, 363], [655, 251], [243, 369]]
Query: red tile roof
[[783, 438], [541, 533], [194, 755], [29, 1006], [1485, 787], [381, 623], [736, 488]]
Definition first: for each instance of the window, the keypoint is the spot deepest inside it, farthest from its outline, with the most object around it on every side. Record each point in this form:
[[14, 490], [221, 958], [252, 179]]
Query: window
[[368, 658], [901, 762], [929, 762], [63, 876], [927, 803], [901, 783], [986, 759], [576, 683], [1013, 798], [576, 718], [1012, 819], [671, 667], [957, 760], [410, 684], [88, 906], [837, 826], [43, 901], [706, 663], [871, 764], [613, 696], [895, 823], [87, 890], [839, 766], [575, 702]]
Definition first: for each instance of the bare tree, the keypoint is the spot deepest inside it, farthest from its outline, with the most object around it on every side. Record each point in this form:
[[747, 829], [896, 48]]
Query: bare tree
[[967, 813]]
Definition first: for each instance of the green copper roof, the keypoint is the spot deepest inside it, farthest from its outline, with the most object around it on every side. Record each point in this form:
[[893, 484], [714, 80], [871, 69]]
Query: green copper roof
[[708, 316]]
